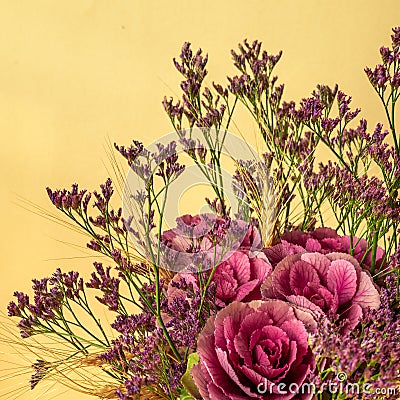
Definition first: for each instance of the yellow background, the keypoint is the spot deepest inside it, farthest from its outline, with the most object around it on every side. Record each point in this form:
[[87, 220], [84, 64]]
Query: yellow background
[[74, 73]]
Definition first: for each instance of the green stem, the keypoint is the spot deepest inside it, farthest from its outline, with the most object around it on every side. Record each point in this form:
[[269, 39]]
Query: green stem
[[375, 246]]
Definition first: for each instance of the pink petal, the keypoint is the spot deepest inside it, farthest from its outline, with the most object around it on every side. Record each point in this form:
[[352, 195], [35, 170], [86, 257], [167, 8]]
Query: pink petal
[[180, 243], [254, 377], [201, 380], [252, 322], [331, 244], [228, 321], [278, 252], [353, 315], [260, 267], [241, 265], [313, 245], [367, 295], [226, 286], [296, 332], [342, 279], [245, 289], [304, 303], [215, 362], [344, 256], [301, 275], [276, 311], [207, 353], [189, 220], [320, 262], [323, 233], [296, 237], [207, 244], [232, 374], [216, 393], [331, 299], [268, 289], [307, 318], [277, 285], [252, 238]]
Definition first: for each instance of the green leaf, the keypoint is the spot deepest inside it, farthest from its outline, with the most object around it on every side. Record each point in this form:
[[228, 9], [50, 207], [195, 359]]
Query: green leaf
[[190, 391], [193, 359], [185, 395]]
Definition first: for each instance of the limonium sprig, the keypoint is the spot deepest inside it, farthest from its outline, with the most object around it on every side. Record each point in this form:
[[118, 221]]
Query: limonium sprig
[[201, 108], [54, 310]]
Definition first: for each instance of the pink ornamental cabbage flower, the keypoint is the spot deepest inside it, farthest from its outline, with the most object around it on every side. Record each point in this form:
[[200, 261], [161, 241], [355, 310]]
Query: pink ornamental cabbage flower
[[191, 235], [333, 282], [200, 232], [239, 278], [203, 241], [323, 240], [253, 351]]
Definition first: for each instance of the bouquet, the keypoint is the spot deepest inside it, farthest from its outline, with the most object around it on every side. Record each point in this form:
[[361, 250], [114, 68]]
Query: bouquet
[[285, 285]]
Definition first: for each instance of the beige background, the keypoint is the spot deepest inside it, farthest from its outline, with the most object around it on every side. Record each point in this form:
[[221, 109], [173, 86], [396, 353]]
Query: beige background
[[75, 73]]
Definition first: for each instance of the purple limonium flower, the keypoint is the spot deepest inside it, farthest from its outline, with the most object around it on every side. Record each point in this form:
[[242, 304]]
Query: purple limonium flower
[[247, 349], [107, 284], [67, 200], [331, 283], [187, 309], [41, 368], [139, 350]]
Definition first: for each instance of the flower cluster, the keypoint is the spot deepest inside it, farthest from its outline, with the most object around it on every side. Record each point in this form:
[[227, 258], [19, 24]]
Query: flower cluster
[[331, 283], [254, 300]]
